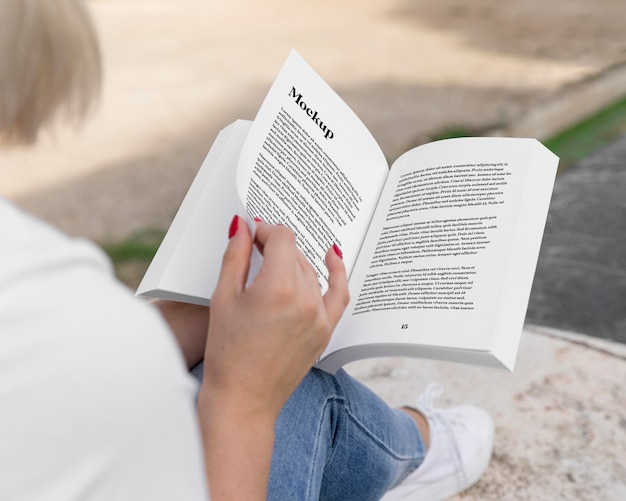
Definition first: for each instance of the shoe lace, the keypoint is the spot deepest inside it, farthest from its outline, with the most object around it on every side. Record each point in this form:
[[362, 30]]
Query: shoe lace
[[445, 421]]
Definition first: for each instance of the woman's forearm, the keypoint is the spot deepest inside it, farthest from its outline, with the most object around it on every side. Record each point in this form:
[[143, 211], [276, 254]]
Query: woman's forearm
[[238, 443], [262, 340]]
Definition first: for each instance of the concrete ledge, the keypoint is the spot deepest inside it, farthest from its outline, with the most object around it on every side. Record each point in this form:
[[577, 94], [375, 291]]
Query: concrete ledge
[[560, 417], [608, 347], [569, 105]]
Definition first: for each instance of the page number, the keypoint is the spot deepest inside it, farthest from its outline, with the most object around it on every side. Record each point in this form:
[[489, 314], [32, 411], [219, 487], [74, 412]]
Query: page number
[[405, 326]]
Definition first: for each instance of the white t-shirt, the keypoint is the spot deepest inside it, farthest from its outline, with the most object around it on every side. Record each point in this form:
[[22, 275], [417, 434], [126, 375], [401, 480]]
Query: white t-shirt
[[95, 400]]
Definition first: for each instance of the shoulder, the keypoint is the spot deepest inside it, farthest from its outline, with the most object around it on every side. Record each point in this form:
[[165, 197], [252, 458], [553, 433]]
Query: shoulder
[[29, 246], [92, 385]]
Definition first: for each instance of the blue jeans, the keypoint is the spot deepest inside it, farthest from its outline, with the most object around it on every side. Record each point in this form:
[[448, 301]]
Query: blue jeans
[[337, 440]]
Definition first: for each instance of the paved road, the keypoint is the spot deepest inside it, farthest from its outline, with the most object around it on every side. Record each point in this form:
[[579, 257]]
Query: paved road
[[580, 284]]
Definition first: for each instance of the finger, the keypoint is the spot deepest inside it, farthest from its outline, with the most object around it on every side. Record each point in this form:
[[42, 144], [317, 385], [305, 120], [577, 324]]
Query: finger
[[337, 296], [277, 244], [236, 260], [308, 272], [257, 224]]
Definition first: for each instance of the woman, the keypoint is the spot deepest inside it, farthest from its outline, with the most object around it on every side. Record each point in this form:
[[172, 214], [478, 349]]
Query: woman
[[96, 401]]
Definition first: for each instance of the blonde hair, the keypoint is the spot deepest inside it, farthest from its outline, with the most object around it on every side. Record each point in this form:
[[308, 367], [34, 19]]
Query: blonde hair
[[50, 65]]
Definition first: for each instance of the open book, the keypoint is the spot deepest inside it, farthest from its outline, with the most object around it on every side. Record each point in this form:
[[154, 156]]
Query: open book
[[440, 250]]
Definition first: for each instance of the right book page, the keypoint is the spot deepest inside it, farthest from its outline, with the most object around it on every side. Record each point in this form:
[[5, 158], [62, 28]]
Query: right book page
[[447, 265]]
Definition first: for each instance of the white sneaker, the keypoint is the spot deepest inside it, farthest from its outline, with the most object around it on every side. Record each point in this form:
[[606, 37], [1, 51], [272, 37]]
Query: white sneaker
[[461, 441]]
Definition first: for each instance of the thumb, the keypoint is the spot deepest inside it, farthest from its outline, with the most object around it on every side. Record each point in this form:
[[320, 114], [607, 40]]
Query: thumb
[[236, 260]]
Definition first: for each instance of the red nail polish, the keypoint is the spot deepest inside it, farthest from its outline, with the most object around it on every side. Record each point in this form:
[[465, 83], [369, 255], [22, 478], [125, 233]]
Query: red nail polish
[[232, 229], [258, 219], [338, 251]]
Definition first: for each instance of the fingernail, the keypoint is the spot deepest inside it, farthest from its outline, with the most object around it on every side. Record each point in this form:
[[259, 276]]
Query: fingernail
[[258, 219], [232, 229], [338, 251]]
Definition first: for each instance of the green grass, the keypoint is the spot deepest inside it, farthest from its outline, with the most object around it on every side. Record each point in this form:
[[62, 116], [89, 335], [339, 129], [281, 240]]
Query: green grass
[[455, 131], [141, 245], [132, 256], [571, 145], [590, 135], [575, 143]]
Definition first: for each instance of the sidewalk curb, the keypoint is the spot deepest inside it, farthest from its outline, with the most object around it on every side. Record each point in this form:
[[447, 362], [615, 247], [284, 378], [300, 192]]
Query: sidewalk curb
[[608, 347], [569, 105]]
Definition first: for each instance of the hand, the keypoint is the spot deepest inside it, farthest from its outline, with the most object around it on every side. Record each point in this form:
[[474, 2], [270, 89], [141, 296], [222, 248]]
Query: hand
[[264, 338], [262, 341]]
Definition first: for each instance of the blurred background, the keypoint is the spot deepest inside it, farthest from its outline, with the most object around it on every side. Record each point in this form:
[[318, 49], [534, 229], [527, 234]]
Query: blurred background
[[177, 71]]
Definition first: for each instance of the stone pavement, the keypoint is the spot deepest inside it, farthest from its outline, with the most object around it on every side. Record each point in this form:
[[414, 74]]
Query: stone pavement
[[580, 283], [560, 417], [179, 70]]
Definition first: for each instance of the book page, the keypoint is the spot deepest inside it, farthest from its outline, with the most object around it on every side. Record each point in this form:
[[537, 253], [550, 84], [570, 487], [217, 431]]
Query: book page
[[187, 264], [310, 164], [435, 264]]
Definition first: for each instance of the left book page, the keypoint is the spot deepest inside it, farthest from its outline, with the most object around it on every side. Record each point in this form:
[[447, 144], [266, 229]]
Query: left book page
[[307, 162], [187, 264]]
